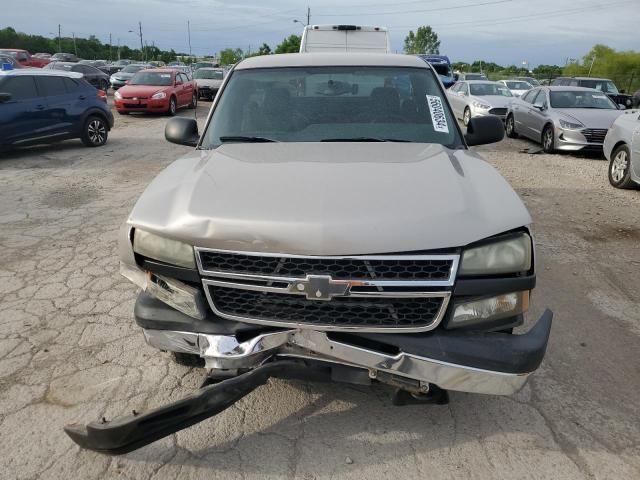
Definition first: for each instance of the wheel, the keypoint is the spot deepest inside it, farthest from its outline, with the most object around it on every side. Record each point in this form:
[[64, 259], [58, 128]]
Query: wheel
[[173, 106], [95, 131], [104, 85], [619, 168], [510, 127], [548, 139], [194, 101], [188, 359], [466, 116]]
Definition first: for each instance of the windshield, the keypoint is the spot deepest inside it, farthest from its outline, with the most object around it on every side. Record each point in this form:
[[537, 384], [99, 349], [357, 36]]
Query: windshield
[[133, 68], [487, 89], [160, 79], [208, 74], [518, 85], [444, 71], [474, 76], [61, 66], [580, 99], [606, 86], [317, 104]]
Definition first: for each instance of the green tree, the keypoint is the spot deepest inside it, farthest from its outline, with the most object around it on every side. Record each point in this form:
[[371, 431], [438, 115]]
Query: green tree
[[425, 40], [290, 44], [264, 49], [229, 56], [621, 67]]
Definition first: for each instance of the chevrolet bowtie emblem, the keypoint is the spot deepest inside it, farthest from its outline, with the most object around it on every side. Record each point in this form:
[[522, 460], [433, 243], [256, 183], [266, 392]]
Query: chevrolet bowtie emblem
[[320, 287]]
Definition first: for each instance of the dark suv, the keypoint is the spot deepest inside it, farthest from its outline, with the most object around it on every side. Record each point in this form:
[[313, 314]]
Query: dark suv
[[43, 106], [605, 85]]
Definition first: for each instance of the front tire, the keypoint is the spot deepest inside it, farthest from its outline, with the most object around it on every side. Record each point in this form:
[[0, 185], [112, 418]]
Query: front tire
[[548, 139], [173, 107], [510, 127], [95, 132], [466, 117], [620, 168], [194, 101]]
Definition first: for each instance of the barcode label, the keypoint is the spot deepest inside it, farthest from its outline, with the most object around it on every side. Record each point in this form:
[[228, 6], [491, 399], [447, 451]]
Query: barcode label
[[438, 117]]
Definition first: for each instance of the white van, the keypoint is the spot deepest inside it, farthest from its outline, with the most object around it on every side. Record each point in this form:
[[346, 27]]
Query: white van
[[345, 38]]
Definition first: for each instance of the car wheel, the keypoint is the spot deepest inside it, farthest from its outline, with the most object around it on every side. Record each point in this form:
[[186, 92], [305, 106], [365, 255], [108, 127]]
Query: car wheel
[[466, 116], [548, 139], [188, 359], [95, 132], [510, 127], [619, 168], [173, 106], [194, 101]]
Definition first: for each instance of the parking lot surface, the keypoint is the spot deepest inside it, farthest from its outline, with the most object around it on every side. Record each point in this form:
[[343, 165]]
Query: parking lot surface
[[70, 351]]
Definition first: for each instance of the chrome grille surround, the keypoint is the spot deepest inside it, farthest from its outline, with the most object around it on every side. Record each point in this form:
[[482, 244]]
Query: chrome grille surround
[[381, 293]]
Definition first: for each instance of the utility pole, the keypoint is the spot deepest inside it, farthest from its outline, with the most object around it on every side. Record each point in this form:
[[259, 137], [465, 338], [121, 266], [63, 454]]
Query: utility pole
[[74, 44], [308, 15], [141, 45], [189, 33], [118, 48], [110, 47], [59, 40], [592, 62]]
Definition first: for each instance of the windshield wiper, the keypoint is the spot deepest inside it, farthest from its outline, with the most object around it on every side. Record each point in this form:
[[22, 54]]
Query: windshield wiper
[[243, 139], [364, 139]]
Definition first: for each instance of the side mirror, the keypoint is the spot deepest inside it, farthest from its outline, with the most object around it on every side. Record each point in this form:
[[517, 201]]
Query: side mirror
[[5, 97], [484, 130], [622, 107], [542, 107], [178, 82], [183, 131]]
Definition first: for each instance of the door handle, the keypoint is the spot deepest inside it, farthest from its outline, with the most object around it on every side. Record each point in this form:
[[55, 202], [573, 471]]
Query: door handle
[[39, 107], [82, 97]]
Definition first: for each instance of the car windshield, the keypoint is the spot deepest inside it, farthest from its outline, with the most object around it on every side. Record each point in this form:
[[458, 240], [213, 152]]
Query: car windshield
[[333, 104], [162, 79], [61, 66], [580, 99], [514, 85], [489, 89], [474, 76], [606, 86], [208, 74], [133, 68]]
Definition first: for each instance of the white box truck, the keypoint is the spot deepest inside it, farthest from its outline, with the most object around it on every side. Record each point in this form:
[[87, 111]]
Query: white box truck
[[344, 38]]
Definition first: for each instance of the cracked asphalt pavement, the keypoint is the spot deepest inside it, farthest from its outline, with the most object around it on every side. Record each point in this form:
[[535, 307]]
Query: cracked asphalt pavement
[[70, 351]]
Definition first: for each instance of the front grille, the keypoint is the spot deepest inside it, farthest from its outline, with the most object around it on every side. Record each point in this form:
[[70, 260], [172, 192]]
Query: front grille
[[342, 268], [132, 98], [594, 135], [135, 105], [498, 111], [342, 312]]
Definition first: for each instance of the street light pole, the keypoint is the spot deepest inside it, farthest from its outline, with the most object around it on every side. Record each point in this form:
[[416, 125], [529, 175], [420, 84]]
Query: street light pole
[[592, 62], [59, 40], [189, 32]]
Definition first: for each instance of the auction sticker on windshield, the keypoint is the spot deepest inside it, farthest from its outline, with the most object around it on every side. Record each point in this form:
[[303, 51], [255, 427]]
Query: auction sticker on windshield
[[437, 114]]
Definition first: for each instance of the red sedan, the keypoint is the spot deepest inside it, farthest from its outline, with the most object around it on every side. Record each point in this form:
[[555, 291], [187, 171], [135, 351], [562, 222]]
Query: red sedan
[[160, 90], [24, 58]]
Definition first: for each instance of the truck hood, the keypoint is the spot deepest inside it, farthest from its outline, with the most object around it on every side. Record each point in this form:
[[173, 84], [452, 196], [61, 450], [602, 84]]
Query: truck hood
[[329, 198]]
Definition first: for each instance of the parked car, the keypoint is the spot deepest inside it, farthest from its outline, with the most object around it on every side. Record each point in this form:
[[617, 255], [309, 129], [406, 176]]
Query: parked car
[[562, 118], [198, 65], [636, 99], [120, 78], [530, 80], [517, 87], [101, 65], [42, 55], [24, 58], [43, 106], [470, 76], [176, 64], [477, 98], [442, 66], [157, 64], [208, 81], [264, 252], [158, 90], [344, 38], [10, 60], [95, 77], [118, 65], [64, 57], [603, 84], [622, 149], [186, 69]]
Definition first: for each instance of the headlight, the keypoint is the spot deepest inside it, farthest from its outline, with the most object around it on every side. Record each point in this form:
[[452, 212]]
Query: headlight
[[159, 95], [117, 95], [510, 255], [570, 125], [481, 105], [489, 309], [163, 249]]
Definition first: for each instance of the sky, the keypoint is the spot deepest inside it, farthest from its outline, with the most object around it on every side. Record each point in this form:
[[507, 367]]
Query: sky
[[502, 31]]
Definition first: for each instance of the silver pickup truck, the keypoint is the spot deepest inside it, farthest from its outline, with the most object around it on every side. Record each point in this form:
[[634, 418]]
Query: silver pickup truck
[[330, 224]]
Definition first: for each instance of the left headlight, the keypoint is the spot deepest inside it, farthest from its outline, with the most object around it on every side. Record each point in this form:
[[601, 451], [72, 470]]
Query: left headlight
[[510, 255], [163, 249], [117, 95], [484, 106], [159, 95], [570, 125]]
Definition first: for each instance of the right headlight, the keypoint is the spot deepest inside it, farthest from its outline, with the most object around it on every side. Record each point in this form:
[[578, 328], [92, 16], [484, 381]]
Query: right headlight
[[570, 125], [163, 249], [510, 255]]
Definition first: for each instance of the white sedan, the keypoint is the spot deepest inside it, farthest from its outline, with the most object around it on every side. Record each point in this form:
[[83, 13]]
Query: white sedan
[[622, 149], [517, 87]]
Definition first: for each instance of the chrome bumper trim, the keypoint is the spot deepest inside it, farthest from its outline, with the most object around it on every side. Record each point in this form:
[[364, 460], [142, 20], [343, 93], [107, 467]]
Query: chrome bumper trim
[[225, 352]]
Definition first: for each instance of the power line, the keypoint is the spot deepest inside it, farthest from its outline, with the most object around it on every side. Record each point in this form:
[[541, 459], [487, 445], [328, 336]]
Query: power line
[[396, 12]]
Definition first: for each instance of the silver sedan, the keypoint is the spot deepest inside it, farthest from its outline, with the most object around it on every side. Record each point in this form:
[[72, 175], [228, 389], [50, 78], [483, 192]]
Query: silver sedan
[[477, 98], [622, 149], [562, 118]]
